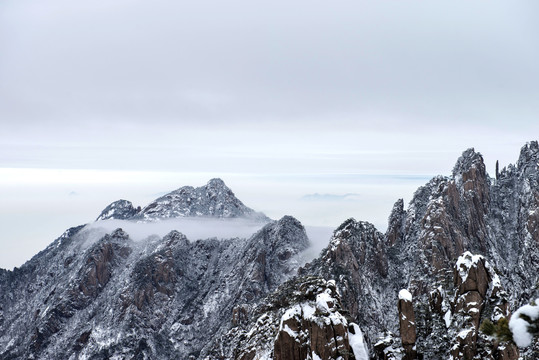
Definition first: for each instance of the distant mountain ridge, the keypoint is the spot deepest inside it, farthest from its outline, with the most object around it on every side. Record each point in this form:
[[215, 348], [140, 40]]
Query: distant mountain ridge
[[214, 199], [464, 251]]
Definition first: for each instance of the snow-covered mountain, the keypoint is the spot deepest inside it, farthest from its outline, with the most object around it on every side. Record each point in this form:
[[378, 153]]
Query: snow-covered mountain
[[214, 199], [88, 297], [462, 256]]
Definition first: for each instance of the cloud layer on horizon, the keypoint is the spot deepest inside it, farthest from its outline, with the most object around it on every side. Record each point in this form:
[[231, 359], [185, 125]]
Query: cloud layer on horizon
[[221, 86]]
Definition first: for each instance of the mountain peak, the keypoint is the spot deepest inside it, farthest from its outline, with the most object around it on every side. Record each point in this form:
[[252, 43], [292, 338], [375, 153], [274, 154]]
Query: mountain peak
[[529, 154], [214, 199], [120, 210], [216, 182], [89, 296], [468, 160]]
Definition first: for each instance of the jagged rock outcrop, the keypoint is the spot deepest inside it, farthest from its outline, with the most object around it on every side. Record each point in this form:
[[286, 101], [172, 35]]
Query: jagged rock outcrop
[[42, 309], [479, 295], [119, 210], [303, 319], [171, 297], [407, 326], [214, 199], [356, 256], [447, 217], [90, 295], [466, 212], [396, 223], [313, 329], [513, 225]]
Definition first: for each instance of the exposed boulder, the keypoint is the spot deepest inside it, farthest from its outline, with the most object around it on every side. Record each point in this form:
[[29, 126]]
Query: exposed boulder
[[479, 295], [305, 319], [407, 324], [395, 229]]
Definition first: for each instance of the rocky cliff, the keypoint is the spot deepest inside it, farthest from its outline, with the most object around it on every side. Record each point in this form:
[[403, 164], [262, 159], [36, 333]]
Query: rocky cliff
[[465, 250], [441, 283], [113, 297]]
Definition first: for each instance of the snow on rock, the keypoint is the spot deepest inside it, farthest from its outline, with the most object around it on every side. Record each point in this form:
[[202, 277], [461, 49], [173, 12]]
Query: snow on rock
[[314, 327], [357, 343], [120, 210], [405, 295], [323, 302], [464, 333], [214, 199], [130, 290], [519, 326], [465, 262], [447, 318]]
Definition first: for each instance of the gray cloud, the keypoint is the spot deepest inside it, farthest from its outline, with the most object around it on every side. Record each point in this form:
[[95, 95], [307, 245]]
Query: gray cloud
[[193, 229], [133, 85], [211, 61]]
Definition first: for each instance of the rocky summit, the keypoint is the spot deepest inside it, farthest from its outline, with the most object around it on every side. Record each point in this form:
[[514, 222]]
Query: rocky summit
[[441, 283]]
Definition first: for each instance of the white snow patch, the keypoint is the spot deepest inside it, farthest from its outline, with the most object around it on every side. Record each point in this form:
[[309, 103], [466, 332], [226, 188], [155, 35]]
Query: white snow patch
[[211, 305], [357, 343], [405, 295], [465, 262], [290, 332], [447, 318], [308, 311], [464, 333], [290, 313], [102, 337], [265, 355], [496, 282], [337, 319], [519, 326], [322, 300], [10, 343]]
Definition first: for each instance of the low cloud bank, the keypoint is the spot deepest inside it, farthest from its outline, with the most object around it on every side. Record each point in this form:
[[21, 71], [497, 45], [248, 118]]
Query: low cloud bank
[[194, 229], [319, 237], [205, 228]]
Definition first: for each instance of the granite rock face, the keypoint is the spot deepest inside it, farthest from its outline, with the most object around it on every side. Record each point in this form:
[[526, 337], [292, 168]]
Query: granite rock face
[[303, 319], [466, 248], [479, 295], [98, 296], [447, 217], [356, 256], [407, 327]]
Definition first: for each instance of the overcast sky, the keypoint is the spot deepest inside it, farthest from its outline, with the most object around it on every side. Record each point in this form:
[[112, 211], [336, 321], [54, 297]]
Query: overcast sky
[[359, 102]]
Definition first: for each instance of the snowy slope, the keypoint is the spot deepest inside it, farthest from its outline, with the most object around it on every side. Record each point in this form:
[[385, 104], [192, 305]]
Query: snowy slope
[[466, 248]]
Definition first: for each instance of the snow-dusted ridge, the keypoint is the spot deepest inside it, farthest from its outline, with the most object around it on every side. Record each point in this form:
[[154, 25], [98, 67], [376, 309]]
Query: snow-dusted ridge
[[466, 248]]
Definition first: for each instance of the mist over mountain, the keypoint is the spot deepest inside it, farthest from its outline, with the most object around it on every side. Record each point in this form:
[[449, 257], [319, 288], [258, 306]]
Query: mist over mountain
[[196, 274]]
